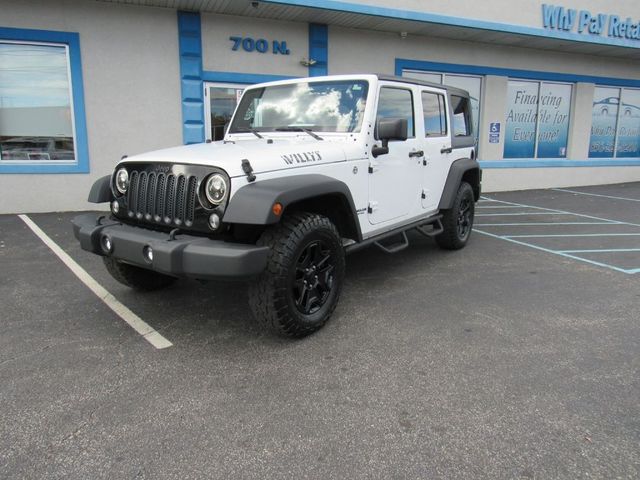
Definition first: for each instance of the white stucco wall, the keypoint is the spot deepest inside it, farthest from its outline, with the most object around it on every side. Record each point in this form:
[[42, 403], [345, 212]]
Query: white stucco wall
[[132, 92]]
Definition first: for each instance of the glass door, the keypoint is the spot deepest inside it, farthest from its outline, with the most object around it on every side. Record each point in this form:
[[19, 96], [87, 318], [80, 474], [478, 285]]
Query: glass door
[[220, 102]]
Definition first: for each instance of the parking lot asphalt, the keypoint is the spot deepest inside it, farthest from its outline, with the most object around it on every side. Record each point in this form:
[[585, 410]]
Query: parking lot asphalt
[[507, 359]]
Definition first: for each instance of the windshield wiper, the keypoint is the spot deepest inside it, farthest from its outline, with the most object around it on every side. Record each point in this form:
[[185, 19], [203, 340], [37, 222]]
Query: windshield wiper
[[248, 129], [292, 128]]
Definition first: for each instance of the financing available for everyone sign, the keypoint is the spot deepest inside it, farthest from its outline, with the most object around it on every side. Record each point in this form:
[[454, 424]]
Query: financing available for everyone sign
[[583, 21]]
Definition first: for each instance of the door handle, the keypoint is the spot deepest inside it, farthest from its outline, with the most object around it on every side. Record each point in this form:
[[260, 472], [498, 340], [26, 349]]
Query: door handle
[[446, 150], [416, 153]]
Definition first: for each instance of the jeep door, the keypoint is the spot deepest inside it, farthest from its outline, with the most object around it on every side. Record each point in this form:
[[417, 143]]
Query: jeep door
[[395, 180], [436, 144]]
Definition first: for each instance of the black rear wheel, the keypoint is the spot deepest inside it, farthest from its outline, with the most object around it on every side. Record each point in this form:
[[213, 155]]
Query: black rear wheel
[[458, 220], [299, 290]]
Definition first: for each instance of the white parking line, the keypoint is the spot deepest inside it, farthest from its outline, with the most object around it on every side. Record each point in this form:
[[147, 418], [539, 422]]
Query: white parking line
[[602, 250], [516, 214], [595, 195], [542, 223], [139, 325], [561, 235]]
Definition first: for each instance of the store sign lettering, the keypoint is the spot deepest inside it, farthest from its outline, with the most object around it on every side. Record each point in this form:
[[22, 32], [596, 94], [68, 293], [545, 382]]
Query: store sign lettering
[[582, 21], [260, 45]]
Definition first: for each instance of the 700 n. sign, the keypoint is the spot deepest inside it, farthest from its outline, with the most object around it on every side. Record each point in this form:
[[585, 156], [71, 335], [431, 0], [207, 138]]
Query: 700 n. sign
[[260, 45]]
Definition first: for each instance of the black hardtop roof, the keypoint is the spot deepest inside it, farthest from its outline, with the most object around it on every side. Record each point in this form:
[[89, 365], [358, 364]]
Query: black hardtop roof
[[415, 81]]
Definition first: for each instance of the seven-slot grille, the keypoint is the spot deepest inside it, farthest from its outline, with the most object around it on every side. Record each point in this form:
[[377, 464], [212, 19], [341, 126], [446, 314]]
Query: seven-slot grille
[[162, 197]]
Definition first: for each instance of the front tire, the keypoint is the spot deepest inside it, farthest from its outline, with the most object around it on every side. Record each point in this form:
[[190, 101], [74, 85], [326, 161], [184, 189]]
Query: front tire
[[136, 277], [299, 290], [458, 220]]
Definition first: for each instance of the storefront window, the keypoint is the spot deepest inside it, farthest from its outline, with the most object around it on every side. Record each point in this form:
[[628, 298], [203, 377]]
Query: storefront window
[[615, 125], [36, 121], [537, 117]]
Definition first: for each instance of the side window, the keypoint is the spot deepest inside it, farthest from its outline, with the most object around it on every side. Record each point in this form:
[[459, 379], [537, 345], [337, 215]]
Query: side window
[[461, 116], [435, 119], [396, 103]]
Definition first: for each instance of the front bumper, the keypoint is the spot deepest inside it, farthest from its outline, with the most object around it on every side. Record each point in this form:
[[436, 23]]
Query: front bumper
[[183, 256]]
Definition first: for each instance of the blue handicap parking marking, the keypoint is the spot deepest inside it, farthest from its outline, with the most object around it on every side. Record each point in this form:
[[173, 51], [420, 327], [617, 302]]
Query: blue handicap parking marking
[[598, 241]]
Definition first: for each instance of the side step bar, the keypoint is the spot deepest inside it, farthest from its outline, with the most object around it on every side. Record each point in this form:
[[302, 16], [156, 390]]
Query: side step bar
[[421, 226]]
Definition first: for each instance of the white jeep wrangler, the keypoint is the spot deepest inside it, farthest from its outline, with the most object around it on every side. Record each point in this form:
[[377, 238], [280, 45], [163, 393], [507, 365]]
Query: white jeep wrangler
[[308, 171]]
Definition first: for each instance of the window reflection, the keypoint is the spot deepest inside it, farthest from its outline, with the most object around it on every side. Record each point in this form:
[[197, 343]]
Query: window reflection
[[35, 104]]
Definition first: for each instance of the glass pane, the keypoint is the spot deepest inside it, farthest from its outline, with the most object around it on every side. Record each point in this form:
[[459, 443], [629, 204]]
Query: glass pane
[[461, 116], [520, 131], [396, 103], [35, 105], [555, 105], [424, 76], [222, 101], [628, 144], [604, 118], [335, 106], [471, 85], [435, 123]]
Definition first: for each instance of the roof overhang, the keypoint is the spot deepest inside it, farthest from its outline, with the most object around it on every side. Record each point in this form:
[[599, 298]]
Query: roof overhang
[[373, 18]]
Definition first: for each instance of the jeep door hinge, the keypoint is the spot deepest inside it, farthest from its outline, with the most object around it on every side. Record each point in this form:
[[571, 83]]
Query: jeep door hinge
[[372, 207], [424, 195], [373, 166]]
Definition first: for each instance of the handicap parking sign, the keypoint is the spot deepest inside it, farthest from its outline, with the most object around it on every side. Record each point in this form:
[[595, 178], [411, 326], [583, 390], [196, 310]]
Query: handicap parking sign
[[494, 132]]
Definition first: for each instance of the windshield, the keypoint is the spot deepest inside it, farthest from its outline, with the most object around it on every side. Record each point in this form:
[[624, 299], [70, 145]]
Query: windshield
[[336, 106]]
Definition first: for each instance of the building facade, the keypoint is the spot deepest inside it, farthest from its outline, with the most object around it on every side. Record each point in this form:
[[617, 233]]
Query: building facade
[[555, 87]]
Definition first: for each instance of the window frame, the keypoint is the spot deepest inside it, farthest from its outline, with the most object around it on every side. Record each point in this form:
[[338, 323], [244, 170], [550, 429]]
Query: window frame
[[71, 42]]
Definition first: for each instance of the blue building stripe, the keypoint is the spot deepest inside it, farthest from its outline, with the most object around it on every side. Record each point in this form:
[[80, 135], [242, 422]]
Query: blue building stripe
[[72, 40], [190, 52], [406, 64], [318, 49], [236, 77]]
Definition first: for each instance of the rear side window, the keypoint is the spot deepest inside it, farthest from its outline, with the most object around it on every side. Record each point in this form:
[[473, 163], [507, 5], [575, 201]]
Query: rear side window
[[396, 103], [435, 119], [461, 116]]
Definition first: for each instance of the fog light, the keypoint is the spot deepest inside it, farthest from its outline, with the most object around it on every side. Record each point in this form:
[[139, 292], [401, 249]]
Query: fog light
[[106, 244], [115, 207], [214, 221], [148, 253]]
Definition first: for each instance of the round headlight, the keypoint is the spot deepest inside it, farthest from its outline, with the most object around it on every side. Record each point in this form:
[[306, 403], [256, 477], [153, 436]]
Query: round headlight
[[122, 180], [216, 189]]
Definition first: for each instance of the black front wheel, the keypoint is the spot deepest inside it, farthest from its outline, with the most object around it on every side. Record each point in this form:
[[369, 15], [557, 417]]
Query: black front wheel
[[458, 220], [299, 290]]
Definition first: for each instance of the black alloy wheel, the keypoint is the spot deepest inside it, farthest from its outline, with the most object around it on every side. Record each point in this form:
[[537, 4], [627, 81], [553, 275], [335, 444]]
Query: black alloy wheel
[[313, 279], [464, 218]]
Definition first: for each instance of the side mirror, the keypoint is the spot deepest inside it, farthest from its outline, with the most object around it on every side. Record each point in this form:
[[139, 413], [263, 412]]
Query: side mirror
[[389, 129]]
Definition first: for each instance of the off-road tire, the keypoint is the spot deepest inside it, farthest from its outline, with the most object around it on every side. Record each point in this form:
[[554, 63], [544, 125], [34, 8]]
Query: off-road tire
[[272, 295], [458, 220], [136, 277]]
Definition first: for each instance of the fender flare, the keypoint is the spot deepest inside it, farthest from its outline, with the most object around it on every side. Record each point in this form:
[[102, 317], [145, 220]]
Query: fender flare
[[101, 190], [252, 203], [456, 172]]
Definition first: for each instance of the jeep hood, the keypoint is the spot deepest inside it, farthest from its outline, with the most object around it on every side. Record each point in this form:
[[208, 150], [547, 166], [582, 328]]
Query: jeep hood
[[264, 157]]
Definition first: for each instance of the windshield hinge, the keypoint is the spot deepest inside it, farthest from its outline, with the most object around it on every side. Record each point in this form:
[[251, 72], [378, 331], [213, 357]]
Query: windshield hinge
[[248, 170]]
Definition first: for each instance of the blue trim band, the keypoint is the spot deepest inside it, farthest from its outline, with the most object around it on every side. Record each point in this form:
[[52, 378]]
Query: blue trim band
[[402, 64], [318, 49], [190, 51], [72, 40], [413, 16], [559, 162], [235, 77]]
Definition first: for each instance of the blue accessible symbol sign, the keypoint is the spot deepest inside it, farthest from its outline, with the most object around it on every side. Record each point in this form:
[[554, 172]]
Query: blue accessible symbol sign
[[494, 132]]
